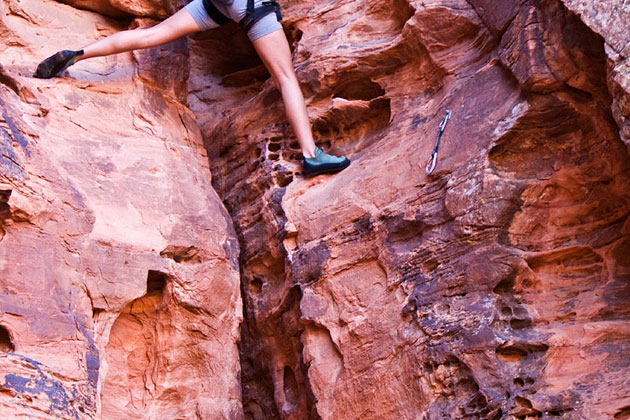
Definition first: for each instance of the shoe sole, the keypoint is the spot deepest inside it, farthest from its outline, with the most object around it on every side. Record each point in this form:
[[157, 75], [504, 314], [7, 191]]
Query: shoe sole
[[327, 171]]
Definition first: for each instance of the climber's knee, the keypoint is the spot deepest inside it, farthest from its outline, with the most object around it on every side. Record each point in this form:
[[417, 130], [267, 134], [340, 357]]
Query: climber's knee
[[274, 51]]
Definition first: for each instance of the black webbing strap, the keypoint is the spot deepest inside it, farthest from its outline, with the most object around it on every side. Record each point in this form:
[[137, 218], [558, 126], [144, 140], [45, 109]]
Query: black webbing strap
[[214, 13], [254, 14]]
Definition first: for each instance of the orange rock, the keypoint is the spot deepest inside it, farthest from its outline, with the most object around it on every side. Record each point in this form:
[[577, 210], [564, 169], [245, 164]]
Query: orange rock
[[496, 288], [459, 295], [119, 294]]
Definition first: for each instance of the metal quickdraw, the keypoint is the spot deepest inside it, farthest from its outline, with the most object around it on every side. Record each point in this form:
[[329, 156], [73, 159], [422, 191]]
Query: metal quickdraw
[[433, 159]]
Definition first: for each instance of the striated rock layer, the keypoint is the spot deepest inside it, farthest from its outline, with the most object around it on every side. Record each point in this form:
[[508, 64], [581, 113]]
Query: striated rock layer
[[495, 288], [119, 285]]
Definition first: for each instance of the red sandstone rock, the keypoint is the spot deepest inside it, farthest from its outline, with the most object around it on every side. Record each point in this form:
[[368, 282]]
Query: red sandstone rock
[[119, 292], [610, 20], [157, 9], [496, 288]]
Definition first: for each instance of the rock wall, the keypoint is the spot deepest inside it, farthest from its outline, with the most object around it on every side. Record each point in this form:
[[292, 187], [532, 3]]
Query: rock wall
[[608, 19], [119, 284], [495, 288]]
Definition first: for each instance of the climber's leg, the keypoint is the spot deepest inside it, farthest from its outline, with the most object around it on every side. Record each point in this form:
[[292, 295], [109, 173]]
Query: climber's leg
[[275, 53], [176, 26]]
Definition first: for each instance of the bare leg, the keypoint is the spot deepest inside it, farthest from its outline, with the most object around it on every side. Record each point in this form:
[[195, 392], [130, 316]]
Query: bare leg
[[176, 26], [274, 51]]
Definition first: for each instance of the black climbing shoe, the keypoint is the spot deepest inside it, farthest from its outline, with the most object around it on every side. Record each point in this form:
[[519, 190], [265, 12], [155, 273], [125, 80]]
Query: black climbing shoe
[[324, 163], [56, 63]]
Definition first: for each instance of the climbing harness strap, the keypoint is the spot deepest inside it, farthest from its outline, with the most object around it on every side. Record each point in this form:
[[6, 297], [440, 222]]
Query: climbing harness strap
[[214, 13], [254, 14], [433, 159]]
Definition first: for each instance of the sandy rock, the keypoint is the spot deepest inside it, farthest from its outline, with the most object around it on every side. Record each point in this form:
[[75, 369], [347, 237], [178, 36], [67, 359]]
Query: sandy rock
[[609, 19], [495, 288], [159, 9], [119, 294]]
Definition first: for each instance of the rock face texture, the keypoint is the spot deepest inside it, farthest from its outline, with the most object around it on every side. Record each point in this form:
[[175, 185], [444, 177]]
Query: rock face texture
[[119, 284], [498, 287], [609, 19]]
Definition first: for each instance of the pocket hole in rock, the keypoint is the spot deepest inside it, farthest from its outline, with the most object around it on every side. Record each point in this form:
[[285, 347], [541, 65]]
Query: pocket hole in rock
[[284, 178], [518, 324], [156, 281], [359, 89], [515, 352], [4, 202], [350, 123], [504, 286], [5, 210], [183, 254], [623, 413], [496, 416], [291, 392], [6, 344], [255, 286]]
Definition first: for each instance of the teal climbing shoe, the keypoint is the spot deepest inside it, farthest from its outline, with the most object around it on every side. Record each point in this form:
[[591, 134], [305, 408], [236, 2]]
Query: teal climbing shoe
[[324, 163], [56, 63]]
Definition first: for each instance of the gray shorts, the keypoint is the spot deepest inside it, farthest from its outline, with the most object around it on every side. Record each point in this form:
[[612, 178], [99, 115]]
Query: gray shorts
[[235, 11]]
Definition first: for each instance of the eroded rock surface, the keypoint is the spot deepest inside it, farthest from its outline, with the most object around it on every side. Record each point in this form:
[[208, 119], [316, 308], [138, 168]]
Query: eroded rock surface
[[497, 287], [609, 19], [119, 287]]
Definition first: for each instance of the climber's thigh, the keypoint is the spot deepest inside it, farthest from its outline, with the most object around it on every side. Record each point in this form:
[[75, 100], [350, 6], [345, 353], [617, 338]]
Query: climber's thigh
[[176, 26], [274, 51], [264, 26], [198, 12]]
